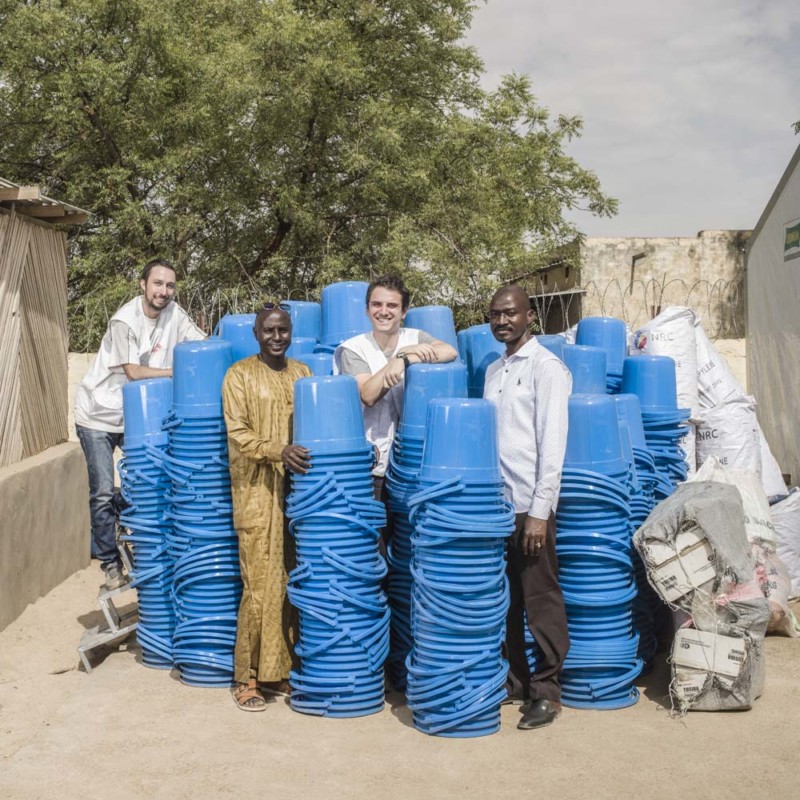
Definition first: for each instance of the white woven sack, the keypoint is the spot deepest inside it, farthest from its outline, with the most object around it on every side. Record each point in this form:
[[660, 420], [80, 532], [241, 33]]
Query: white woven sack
[[672, 333], [771, 478], [757, 517], [715, 381], [730, 432], [786, 518]]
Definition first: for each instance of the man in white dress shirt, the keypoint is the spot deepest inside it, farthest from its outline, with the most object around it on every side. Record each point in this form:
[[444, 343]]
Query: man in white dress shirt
[[530, 387]]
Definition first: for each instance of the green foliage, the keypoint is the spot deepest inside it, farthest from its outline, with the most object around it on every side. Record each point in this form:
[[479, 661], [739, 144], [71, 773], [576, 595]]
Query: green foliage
[[268, 148]]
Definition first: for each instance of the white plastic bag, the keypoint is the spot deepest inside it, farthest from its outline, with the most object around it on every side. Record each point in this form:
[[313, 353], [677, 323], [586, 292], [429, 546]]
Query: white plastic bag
[[786, 518], [773, 578], [689, 445], [757, 518], [715, 381], [730, 432], [672, 333]]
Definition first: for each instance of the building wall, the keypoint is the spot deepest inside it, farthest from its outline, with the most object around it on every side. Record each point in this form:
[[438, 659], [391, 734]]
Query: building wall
[[44, 508], [633, 278], [773, 329]]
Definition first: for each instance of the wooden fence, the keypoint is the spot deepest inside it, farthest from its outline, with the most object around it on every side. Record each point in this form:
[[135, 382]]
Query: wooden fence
[[33, 337]]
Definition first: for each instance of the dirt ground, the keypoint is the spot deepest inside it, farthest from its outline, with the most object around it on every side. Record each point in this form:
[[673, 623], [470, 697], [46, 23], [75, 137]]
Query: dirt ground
[[125, 731]]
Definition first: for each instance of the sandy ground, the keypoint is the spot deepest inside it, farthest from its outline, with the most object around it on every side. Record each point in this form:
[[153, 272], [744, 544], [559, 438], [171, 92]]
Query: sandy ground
[[125, 731]]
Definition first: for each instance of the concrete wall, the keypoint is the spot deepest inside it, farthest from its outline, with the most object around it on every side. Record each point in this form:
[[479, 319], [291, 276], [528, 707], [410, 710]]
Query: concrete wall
[[44, 533], [632, 278], [773, 322]]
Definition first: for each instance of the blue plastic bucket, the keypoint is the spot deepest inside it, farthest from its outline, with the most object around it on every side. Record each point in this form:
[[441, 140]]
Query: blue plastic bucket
[[610, 335], [344, 311], [306, 318], [652, 380], [553, 343], [434, 320], [423, 383], [593, 439], [145, 404], [461, 439], [588, 368], [238, 330], [320, 364], [327, 414], [198, 370]]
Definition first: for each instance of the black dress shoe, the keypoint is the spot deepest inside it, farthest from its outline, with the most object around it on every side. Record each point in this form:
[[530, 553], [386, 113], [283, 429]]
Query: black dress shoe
[[538, 714]]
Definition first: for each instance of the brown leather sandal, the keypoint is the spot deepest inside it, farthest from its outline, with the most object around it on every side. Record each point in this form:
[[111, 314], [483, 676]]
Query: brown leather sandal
[[248, 697]]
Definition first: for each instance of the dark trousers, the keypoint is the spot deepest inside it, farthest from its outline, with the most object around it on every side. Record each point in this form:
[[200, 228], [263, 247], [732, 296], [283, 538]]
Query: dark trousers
[[533, 582], [380, 492]]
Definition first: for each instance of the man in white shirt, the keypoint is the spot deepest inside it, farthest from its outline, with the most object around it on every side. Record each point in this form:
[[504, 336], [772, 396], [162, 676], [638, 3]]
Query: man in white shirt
[[138, 344], [378, 361], [530, 388]]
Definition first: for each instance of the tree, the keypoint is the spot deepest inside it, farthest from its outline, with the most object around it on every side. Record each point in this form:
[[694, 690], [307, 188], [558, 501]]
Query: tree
[[270, 147]]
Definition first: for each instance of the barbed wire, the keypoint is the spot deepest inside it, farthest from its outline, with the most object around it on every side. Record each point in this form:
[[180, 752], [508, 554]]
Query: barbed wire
[[719, 304]]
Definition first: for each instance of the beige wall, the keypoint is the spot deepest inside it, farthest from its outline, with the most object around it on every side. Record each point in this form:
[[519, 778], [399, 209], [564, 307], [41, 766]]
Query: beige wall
[[44, 533], [632, 277]]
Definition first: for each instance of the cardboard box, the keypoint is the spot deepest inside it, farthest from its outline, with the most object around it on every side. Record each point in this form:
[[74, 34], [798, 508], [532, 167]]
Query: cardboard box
[[679, 567], [708, 652]]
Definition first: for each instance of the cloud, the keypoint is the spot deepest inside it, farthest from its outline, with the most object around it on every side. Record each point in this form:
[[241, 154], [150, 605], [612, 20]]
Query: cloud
[[687, 105]]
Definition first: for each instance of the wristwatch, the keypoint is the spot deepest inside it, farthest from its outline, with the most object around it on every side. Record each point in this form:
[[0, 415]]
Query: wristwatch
[[405, 359]]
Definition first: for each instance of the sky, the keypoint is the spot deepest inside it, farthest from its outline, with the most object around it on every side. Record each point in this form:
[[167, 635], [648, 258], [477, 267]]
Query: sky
[[687, 105]]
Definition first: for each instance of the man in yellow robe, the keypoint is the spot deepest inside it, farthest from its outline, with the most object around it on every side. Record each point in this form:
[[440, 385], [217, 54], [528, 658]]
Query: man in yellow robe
[[258, 397]]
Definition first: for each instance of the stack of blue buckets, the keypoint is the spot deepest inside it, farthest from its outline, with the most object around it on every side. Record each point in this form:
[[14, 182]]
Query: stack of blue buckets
[[595, 559], [423, 383], [456, 673], [478, 350], [145, 487], [207, 586], [336, 586], [646, 606], [652, 380], [608, 334]]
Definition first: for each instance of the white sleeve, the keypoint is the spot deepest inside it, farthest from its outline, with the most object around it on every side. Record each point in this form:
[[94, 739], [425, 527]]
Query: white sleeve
[[124, 345], [553, 383], [187, 330]]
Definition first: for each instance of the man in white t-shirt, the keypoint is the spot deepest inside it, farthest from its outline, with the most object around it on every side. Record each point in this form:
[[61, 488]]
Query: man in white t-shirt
[[378, 361], [138, 344]]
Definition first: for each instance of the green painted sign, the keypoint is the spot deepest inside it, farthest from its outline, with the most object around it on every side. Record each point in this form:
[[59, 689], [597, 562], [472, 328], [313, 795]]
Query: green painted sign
[[791, 241]]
